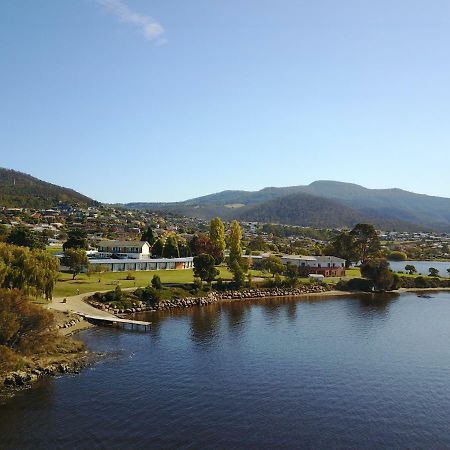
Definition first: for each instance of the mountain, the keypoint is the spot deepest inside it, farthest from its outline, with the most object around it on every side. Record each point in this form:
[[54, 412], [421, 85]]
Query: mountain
[[19, 190], [305, 205]]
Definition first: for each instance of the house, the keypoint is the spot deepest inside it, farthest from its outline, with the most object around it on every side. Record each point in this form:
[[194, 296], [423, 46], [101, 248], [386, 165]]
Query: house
[[124, 249]]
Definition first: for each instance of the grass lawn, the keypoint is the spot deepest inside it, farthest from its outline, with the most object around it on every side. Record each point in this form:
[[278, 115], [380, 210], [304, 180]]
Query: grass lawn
[[54, 250], [65, 286]]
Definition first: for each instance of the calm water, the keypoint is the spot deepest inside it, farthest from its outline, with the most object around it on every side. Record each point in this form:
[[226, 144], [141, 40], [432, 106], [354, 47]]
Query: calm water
[[423, 266], [334, 373]]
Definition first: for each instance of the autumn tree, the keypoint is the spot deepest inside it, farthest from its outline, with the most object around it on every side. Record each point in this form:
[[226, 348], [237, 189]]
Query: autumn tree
[[201, 243]]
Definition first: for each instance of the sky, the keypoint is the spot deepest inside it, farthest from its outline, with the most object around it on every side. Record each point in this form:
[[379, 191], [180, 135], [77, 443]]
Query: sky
[[165, 100]]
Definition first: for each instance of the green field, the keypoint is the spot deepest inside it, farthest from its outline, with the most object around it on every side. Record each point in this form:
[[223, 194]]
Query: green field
[[65, 286], [83, 283]]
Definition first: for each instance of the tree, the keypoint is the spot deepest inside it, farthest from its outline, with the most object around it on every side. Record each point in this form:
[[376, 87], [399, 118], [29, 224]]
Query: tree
[[433, 272], [217, 238], [448, 270], [235, 263], [235, 241], [292, 274], [76, 260], [411, 269], [273, 264], [158, 247], [76, 238], [23, 325], [204, 267], [201, 244], [156, 282], [171, 249], [342, 246], [365, 241], [23, 236], [377, 270], [34, 272], [397, 256], [149, 236]]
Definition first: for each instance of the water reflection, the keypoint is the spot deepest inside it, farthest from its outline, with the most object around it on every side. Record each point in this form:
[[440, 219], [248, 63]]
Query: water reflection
[[271, 373], [205, 324]]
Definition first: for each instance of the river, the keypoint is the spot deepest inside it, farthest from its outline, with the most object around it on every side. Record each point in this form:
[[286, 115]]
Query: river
[[422, 266], [348, 372]]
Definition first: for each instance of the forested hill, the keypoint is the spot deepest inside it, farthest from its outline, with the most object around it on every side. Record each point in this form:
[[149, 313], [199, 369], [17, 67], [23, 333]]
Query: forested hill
[[19, 190], [322, 203]]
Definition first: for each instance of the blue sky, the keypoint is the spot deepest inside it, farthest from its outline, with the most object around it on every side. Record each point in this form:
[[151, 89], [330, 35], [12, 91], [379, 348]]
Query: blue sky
[[145, 100]]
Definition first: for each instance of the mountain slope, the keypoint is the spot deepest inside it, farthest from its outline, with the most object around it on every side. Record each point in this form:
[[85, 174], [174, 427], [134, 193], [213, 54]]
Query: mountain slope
[[389, 208], [304, 210], [395, 204], [20, 190]]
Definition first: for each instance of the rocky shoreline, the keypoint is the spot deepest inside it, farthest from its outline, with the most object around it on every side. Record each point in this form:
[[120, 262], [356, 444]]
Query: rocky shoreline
[[212, 297], [21, 379]]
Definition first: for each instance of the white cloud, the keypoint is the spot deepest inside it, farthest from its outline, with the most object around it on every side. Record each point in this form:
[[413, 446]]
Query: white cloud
[[149, 27]]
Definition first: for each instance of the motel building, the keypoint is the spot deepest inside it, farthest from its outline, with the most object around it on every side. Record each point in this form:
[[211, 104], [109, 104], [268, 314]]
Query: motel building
[[327, 266], [124, 256]]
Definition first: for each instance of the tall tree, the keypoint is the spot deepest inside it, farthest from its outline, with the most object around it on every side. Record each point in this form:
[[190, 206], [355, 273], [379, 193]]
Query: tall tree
[[76, 238], [217, 238], [171, 249], [149, 236], [342, 246], [366, 243], [158, 247], [235, 241], [235, 263]]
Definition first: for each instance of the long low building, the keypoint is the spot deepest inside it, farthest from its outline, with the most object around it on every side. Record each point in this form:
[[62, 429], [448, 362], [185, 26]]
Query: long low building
[[130, 264], [328, 266]]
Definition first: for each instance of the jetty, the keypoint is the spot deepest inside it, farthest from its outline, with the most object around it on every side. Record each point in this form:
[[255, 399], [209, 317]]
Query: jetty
[[76, 305], [116, 321]]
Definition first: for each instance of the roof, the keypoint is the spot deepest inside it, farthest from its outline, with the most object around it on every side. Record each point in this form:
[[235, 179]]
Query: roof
[[329, 259], [138, 261], [139, 244]]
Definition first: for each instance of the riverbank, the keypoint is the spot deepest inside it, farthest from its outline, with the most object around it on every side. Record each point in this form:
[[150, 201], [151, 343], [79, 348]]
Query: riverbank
[[212, 297], [65, 355]]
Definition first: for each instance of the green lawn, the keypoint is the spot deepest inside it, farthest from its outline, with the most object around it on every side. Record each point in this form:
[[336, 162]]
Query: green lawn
[[65, 286]]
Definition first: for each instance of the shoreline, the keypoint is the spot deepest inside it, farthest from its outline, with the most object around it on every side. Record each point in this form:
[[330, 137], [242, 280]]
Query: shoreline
[[66, 363]]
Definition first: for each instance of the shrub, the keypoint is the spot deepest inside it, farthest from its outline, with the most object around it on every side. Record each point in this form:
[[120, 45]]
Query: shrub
[[130, 276], [156, 282]]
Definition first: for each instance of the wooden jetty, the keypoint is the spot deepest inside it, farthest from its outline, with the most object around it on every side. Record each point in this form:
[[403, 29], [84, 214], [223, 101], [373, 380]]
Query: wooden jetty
[[116, 321]]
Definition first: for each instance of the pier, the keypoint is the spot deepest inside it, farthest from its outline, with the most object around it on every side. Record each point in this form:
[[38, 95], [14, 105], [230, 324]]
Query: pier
[[116, 321]]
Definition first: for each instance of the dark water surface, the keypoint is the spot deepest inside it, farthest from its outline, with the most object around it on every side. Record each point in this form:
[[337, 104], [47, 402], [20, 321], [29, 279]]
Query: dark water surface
[[330, 373]]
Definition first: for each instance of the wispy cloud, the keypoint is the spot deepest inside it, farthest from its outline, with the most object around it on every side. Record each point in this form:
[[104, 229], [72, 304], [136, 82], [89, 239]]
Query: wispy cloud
[[148, 27]]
